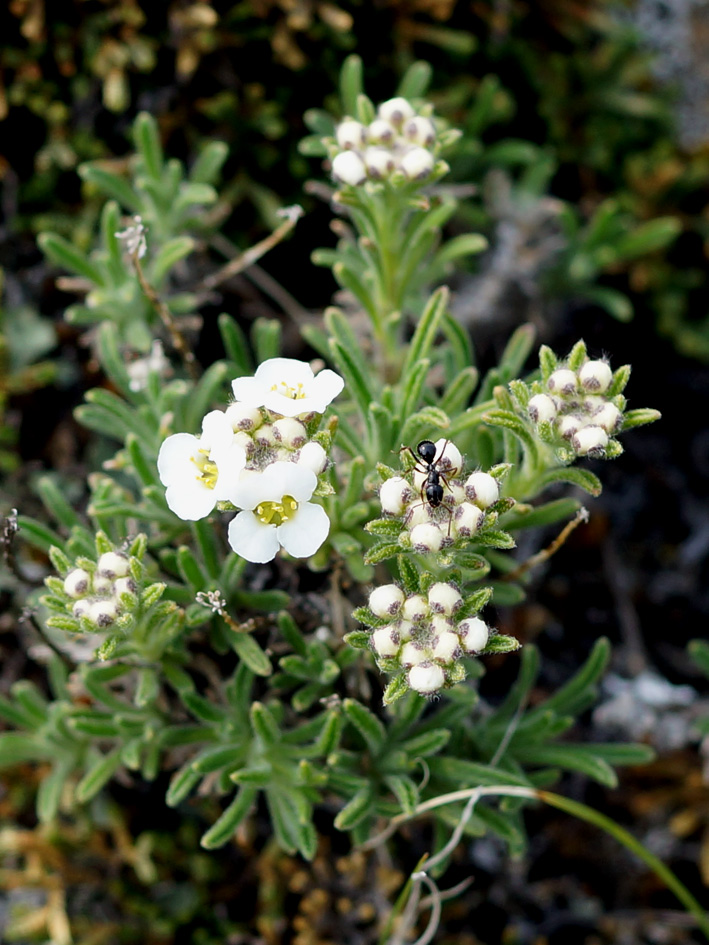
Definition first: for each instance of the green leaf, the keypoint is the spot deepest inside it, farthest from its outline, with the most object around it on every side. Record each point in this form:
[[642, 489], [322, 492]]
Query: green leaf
[[169, 254], [65, 254], [182, 783], [264, 725], [429, 324], [582, 478], [202, 708], [147, 142], [547, 514], [382, 552], [648, 237], [97, 776], [223, 830], [367, 724], [572, 758], [111, 185], [409, 575], [404, 790], [351, 84], [610, 300], [248, 650], [397, 688], [639, 417], [467, 244], [427, 743], [384, 526], [55, 502], [235, 344], [16, 748], [355, 380], [50, 790], [356, 811], [699, 651], [266, 338], [500, 643], [415, 81]]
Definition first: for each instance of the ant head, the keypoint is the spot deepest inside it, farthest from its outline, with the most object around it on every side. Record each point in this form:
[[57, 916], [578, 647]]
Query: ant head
[[427, 451]]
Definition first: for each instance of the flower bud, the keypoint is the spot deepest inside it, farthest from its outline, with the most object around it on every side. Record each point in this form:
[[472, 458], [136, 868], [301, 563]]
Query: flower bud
[[348, 168], [426, 679], [412, 654], [474, 634], [312, 456], [596, 376], [243, 417], [386, 601], [445, 647], [77, 583], [609, 418], [426, 537], [415, 608], [124, 585], [81, 608], [395, 110], [589, 441], [384, 642], [113, 564], [569, 425], [563, 381], [102, 585], [265, 436], [380, 132], [448, 455], [350, 134], [419, 514], [482, 489], [541, 407], [404, 628], [439, 624], [467, 519], [379, 162], [394, 493], [443, 598], [102, 613], [420, 130], [289, 432], [417, 163]]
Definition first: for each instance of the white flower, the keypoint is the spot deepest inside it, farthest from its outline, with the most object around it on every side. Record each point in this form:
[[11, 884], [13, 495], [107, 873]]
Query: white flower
[[288, 387], [348, 167], [198, 472], [276, 513]]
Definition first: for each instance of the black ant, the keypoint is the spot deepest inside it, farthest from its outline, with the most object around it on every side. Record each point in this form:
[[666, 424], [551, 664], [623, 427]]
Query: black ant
[[431, 485]]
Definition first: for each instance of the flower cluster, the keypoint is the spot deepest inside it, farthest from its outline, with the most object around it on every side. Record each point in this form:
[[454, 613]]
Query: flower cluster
[[262, 455], [399, 141], [436, 504], [98, 594], [424, 635]]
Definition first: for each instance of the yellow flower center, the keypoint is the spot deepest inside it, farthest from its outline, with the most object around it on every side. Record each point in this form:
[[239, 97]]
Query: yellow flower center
[[294, 393], [208, 472], [276, 513]]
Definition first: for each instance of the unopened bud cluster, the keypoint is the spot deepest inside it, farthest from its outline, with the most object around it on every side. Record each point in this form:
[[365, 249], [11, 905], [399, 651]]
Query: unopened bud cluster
[[426, 636], [575, 406], [398, 141], [93, 596], [436, 510], [267, 438]]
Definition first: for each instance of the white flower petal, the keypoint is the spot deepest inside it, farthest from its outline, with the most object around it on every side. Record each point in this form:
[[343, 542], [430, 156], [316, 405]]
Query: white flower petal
[[190, 501], [229, 466], [305, 532], [217, 432], [325, 386], [251, 539], [287, 387], [249, 391], [175, 455]]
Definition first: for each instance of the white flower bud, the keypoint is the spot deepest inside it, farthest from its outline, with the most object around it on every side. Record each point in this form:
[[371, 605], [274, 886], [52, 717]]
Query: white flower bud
[[420, 130], [384, 643], [541, 407], [379, 162], [448, 456], [81, 608], [102, 613], [439, 623], [386, 601], [445, 647], [482, 489], [590, 441], [418, 478], [394, 493], [380, 132], [457, 492], [405, 628], [608, 418], [426, 538], [467, 519], [563, 381], [102, 585], [312, 456], [77, 583], [350, 134], [419, 514], [348, 168], [417, 163], [426, 679], [243, 417], [395, 110], [124, 585], [569, 425], [112, 564], [474, 634], [596, 376], [290, 432], [444, 598], [265, 436], [412, 654], [415, 608]]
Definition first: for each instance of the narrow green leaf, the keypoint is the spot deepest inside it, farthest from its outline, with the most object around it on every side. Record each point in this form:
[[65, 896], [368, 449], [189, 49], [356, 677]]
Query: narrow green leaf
[[429, 324], [50, 790], [223, 830], [639, 417], [248, 650], [111, 185], [382, 552], [235, 344], [367, 724], [404, 790], [356, 811], [351, 84], [147, 142], [570, 757], [17, 748], [264, 725], [169, 254], [182, 783], [97, 776], [582, 478], [266, 338], [65, 254], [415, 81]]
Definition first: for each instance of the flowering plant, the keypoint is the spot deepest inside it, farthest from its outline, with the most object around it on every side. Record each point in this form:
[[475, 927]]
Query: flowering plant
[[395, 483]]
